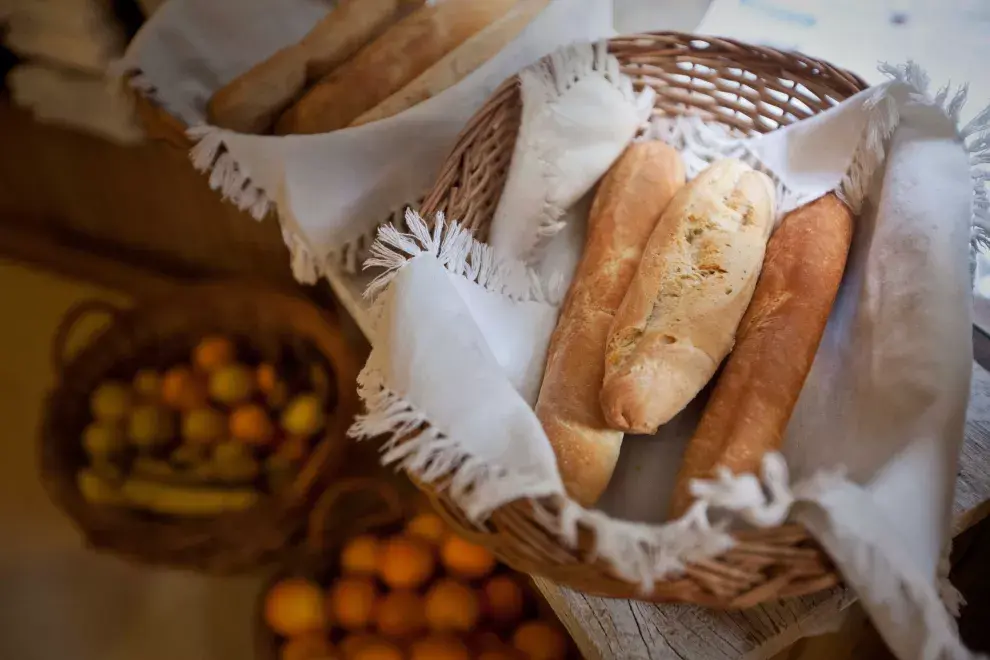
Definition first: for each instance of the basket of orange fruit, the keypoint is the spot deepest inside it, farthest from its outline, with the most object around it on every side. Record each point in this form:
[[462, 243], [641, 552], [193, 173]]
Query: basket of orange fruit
[[197, 430], [405, 590]]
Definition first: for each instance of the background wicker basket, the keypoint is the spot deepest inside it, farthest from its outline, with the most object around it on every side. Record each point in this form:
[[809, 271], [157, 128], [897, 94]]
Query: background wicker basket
[[753, 90], [157, 333]]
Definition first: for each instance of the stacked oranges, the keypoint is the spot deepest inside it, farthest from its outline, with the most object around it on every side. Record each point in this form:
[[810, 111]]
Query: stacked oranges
[[421, 594]]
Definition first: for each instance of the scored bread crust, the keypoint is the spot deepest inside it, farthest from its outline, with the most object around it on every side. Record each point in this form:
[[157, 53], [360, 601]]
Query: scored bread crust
[[251, 102], [748, 411], [627, 205], [458, 63], [678, 319]]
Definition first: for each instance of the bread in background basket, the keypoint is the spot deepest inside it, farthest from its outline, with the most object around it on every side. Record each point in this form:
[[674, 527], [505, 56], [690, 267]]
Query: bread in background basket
[[331, 190], [687, 73], [368, 60]]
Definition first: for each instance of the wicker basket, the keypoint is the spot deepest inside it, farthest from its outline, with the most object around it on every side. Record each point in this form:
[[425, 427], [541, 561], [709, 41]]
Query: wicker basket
[[158, 124], [158, 333], [748, 88]]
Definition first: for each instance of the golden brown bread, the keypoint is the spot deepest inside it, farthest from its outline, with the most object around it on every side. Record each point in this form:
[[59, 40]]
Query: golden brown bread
[[778, 338], [251, 102], [678, 319], [458, 63], [388, 63], [629, 201]]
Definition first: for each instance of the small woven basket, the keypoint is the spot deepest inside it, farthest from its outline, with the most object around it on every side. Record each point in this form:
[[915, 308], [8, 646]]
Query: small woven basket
[[752, 89], [156, 334]]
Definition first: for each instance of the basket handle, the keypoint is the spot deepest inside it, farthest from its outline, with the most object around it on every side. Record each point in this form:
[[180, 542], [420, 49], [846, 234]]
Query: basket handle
[[71, 319], [389, 510]]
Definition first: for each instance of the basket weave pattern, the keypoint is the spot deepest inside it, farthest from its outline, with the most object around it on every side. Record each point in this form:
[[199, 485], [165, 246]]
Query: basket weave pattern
[[752, 90], [155, 334]]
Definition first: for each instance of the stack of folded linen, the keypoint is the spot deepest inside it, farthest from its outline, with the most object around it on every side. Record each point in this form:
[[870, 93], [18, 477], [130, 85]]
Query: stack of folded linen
[[65, 47]]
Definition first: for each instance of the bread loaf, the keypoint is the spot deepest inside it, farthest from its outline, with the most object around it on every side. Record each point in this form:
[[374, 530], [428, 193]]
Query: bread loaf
[[388, 63], [679, 317], [755, 395], [629, 201], [251, 102], [459, 63]]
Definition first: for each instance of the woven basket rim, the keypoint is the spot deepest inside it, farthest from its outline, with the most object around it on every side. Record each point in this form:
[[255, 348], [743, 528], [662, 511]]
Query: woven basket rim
[[231, 542], [765, 563]]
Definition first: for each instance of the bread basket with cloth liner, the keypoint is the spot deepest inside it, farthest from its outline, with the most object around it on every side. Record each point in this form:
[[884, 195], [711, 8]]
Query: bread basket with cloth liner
[[750, 89], [156, 335], [461, 326]]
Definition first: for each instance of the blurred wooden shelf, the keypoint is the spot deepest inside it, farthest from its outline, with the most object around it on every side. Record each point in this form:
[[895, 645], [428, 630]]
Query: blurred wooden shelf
[[145, 202]]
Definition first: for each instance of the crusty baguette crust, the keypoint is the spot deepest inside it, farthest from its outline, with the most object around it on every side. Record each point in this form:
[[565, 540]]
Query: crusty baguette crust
[[629, 201], [678, 319], [756, 393], [251, 102], [458, 63], [388, 63]]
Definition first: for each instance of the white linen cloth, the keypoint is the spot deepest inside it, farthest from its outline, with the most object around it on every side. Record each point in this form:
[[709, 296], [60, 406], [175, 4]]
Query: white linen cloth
[[82, 102], [874, 440], [574, 125], [82, 35], [331, 190]]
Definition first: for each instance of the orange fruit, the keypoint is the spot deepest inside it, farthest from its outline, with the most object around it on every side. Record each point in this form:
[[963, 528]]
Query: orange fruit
[[213, 352], [295, 606], [203, 426], [147, 384], [378, 649], [182, 390], [405, 563], [538, 640], [266, 377], [451, 606], [350, 645], [360, 554], [465, 559], [504, 599], [251, 424], [353, 601], [231, 384], [428, 527], [308, 646], [439, 647], [400, 614]]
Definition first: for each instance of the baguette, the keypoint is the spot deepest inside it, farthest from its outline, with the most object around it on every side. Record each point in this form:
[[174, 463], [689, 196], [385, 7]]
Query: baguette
[[459, 63], [678, 320], [778, 338], [251, 102], [629, 201], [388, 63]]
